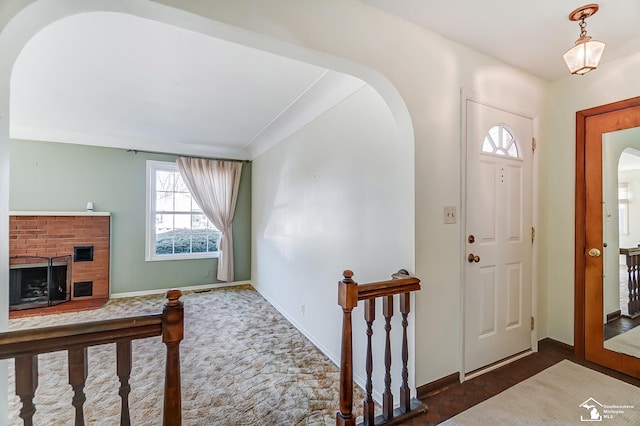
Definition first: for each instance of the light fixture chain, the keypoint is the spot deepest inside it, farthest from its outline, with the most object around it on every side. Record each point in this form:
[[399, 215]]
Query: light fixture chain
[[583, 27]]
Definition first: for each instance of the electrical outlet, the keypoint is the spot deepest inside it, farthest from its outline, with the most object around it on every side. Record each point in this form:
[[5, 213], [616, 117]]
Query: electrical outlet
[[450, 214]]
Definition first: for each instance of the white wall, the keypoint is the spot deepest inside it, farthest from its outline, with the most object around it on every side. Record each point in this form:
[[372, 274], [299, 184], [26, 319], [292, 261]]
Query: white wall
[[611, 282], [336, 195], [9, 48], [429, 72], [609, 83], [4, 233], [632, 177]]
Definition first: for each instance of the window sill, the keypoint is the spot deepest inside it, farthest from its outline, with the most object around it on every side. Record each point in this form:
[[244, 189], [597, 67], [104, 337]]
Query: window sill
[[162, 258]]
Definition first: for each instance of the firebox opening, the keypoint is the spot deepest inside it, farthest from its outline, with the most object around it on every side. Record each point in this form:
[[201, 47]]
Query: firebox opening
[[36, 281]]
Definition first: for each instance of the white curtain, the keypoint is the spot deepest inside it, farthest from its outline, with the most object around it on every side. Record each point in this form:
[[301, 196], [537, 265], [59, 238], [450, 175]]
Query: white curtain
[[214, 186]]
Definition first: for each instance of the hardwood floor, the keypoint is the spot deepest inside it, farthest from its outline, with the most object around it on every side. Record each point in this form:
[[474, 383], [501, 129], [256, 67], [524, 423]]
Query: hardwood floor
[[619, 326], [458, 397]]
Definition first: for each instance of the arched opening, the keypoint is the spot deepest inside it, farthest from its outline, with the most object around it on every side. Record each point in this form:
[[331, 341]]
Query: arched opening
[[38, 14]]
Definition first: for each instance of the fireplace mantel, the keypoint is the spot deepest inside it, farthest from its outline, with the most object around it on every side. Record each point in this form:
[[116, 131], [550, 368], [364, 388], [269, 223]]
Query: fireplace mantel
[[40, 213]]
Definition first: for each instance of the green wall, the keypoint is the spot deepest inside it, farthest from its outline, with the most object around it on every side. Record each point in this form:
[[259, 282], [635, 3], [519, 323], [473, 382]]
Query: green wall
[[47, 176]]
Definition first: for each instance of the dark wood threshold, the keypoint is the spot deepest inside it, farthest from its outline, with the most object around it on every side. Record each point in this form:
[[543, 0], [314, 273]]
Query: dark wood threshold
[[443, 383], [501, 362]]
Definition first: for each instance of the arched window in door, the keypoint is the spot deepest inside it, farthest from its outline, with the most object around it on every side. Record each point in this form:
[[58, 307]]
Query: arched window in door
[[500, 141]]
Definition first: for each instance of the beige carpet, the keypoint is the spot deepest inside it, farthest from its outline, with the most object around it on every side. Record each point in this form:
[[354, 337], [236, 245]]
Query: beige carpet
[[564, 394], [627, 343], [242, 363]]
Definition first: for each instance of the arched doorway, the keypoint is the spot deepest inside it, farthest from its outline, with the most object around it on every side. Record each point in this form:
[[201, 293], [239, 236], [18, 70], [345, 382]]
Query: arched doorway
[[30, 16]]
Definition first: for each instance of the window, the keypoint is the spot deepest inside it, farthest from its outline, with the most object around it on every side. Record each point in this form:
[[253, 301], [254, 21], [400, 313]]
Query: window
[[623, 208], [176, 227], [500, 141]]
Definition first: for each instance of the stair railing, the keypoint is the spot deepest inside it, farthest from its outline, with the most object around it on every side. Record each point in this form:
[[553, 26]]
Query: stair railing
[[349, 294], [26, 345]]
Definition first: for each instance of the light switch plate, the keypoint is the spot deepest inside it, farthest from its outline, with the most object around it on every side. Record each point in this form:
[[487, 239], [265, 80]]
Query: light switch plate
[[450, 214]]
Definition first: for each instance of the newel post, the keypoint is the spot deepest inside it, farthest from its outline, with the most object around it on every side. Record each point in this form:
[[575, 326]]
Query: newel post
[[348, 299], [172, 334]]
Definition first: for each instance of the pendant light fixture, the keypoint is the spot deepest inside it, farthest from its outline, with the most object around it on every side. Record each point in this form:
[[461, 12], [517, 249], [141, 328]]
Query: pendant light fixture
[[585, 55]]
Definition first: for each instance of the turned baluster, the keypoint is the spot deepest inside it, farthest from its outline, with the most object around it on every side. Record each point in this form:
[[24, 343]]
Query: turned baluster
[[634, 285], [172, 334], [123, 361], [78, 369], [631, 282], [347, 299], [387, 396], [405, 392], [368, 404], [26, 385]]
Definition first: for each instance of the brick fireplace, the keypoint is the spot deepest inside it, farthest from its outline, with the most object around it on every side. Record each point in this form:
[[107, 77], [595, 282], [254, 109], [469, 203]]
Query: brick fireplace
[[82, 237]]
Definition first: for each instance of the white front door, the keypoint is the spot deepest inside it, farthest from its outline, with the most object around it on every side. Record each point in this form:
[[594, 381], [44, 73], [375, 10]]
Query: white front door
[[498, 223]]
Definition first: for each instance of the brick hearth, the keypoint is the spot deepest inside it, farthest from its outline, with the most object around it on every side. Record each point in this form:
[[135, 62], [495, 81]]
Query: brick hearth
[[56, 235]]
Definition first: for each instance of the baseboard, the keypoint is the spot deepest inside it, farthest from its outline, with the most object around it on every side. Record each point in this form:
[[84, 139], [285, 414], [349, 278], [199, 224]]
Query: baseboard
[[437, 385], [547, 342], [360, 381], [183, 289], [614, 315], [333, 357]]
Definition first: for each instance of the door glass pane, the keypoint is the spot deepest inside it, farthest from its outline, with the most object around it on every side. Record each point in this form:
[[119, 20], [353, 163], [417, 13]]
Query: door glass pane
[[500, 141]]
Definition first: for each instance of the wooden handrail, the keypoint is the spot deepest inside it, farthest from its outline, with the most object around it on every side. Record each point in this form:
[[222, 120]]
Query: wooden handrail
[[349, 294], [63, 337], [26, 345], [388, 288]]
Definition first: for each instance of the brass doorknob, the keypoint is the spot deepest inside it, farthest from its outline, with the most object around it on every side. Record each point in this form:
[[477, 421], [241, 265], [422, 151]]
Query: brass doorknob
[[594, 252], [473, 258]]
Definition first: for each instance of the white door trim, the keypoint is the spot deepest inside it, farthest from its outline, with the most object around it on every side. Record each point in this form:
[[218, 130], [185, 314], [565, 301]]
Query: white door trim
[[467, 94]]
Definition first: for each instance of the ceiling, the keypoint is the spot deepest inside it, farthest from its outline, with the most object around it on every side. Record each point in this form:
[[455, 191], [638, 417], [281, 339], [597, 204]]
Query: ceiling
[[629, 160], [118, 80], [530, 35]]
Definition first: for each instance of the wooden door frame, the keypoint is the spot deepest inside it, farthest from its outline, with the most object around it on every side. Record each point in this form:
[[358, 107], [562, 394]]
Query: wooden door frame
[[599, 120]]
